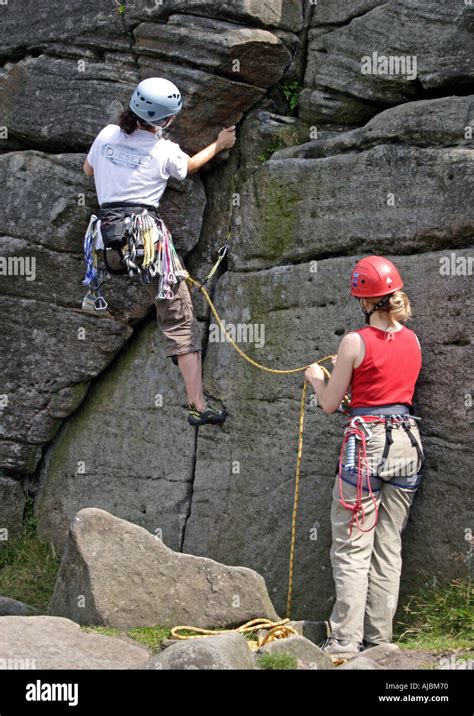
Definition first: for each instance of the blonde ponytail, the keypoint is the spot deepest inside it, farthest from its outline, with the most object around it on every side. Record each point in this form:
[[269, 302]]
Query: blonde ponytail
[[399, 307]]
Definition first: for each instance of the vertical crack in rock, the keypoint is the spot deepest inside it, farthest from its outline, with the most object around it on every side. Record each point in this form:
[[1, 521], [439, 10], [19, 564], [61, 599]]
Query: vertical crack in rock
[[189, 501], [205, 342], [129, 31]]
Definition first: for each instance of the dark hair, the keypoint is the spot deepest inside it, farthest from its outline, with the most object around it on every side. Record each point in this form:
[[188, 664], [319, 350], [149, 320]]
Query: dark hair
[[128, 121]]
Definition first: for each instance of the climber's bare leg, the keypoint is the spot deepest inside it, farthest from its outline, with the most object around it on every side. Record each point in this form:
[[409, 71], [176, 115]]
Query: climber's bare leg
[[190, 365]]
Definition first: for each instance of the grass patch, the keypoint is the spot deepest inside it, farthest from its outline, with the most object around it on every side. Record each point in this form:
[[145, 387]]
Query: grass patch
[[28, 565], [280, 660], [440, 619], [150, 637]]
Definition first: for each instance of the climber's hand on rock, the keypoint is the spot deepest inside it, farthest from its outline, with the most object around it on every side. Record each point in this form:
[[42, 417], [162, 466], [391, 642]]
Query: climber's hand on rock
[[224, 141], [226, 138], [314, 372]]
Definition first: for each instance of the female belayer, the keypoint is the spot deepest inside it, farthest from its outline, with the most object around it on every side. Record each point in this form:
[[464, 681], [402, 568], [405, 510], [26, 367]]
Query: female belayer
[[380, 461]]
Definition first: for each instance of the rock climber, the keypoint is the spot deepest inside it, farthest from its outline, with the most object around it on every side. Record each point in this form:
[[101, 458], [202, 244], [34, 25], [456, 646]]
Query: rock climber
[[131, 163], [380, 461]]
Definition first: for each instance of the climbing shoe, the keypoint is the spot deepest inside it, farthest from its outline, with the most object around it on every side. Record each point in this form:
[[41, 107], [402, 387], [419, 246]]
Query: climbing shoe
[[340, 649], [207, 416]]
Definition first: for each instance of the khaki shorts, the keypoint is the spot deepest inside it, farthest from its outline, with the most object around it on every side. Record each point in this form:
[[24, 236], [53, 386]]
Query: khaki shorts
[[176, 319]]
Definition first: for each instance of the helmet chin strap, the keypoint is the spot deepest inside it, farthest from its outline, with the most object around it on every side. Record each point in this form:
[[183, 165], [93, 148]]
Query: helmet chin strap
[[166, 122], [383, 302], [162, 124]]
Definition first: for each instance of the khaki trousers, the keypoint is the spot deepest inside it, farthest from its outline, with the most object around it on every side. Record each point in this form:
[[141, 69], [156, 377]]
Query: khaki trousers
[[177, 320], [367, 565]]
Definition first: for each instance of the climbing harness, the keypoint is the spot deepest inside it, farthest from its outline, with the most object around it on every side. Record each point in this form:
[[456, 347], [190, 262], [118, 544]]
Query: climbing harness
[[355, 469], [356, 431], [128, 239]]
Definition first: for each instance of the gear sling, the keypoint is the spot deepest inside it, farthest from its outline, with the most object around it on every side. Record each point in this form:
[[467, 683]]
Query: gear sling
[[128, 239]]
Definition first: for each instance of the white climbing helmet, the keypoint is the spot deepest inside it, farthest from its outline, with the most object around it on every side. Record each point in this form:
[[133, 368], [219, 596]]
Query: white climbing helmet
[[155, 99]]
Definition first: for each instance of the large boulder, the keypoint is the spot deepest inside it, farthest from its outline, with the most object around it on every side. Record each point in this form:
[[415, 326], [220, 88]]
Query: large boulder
[[13, 608], [307, 654], [338, 90], [379, 189], [114, 573], [224, 651], [249, 55], [42, 642]]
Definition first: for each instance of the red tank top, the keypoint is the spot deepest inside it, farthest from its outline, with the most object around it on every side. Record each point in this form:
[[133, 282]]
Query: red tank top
[[389, 370]]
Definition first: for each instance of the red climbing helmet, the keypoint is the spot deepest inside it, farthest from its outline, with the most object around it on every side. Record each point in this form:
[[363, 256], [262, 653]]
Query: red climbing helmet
[[374, 276]]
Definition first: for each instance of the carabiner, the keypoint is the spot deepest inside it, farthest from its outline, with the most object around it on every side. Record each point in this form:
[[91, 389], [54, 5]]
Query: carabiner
[[100, 304], [363, 424], [223, 250], [163, 294]]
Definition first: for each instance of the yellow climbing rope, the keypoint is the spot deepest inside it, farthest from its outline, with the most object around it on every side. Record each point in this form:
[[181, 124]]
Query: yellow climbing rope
[[240, 351], [300, 430], [276, 630]]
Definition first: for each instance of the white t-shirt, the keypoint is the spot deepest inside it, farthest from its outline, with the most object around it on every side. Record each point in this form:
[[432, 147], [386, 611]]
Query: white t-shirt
[[134, 167]]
